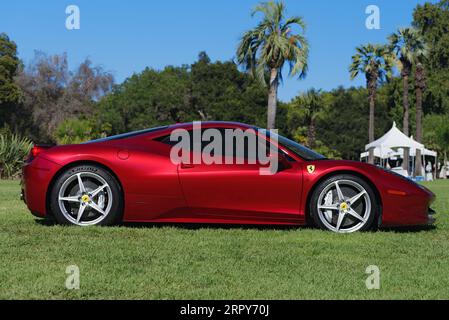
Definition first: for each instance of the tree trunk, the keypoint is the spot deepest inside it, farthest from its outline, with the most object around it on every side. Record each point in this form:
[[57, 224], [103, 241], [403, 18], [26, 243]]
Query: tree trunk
[[405, 164], [311, 134], [405, 76], [418, 163], [406, 105], [272, 99], [419, 87], [372, 103]]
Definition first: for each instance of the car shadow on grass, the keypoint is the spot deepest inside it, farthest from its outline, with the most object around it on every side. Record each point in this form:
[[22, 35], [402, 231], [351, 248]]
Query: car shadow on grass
[[409, 229], [188, 226], [199, 226]]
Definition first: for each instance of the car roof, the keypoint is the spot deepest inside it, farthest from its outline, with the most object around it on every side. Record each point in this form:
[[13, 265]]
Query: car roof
[[204, 124], [210, 124]]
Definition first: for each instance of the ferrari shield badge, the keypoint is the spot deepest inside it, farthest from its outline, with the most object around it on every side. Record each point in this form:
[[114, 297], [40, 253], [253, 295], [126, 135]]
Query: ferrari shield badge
[[311, 169]]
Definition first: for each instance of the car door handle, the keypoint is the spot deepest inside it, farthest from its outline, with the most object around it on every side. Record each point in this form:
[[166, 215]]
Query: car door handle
[[187, 166]]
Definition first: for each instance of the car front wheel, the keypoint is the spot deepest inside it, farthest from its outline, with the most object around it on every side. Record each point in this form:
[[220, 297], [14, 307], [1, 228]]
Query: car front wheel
[[86, 195], [344, 204]]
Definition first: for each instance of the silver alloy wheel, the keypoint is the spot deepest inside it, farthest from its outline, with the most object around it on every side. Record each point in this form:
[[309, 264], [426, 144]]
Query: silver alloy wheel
[[344, 206], [85, 199]]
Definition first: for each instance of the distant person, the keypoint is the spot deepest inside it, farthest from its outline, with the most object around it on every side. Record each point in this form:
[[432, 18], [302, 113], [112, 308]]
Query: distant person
[[429, 175], [447, 170]]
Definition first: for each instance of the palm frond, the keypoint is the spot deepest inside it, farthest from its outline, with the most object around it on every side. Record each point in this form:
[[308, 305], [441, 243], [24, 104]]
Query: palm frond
[[408, 45], [274, 42], [374, 60]]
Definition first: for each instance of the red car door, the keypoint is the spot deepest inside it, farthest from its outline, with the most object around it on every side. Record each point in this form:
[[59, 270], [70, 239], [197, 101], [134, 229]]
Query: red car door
[[239, 193]]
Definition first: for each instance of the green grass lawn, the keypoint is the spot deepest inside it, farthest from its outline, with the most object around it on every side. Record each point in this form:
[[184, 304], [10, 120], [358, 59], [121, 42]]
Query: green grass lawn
[[149, 262]]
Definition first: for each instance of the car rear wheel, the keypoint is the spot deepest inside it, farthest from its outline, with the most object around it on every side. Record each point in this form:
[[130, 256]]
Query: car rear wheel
[[85, 196], [344, 204]]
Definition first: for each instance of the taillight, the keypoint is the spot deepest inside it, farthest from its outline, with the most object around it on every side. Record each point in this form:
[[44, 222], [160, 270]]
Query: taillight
[[36, 150]]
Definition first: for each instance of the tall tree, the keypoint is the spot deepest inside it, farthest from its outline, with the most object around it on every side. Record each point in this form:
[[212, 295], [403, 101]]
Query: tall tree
[[52, 93], [432, 19], [272, 43], [9, 91], [409, 47], [420, 85], [309, 106], [375, 62]]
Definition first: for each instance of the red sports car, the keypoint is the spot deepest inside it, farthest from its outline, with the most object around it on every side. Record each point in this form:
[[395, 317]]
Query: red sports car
[[132, 178]]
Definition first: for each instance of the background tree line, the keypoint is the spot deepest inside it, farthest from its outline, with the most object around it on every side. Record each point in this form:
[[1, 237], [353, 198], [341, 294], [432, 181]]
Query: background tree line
[[46, 102]]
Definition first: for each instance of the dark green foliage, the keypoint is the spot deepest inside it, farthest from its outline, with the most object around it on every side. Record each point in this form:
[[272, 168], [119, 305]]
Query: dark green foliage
[[203, 91], [221, 92], [145, 100], [344, 126], [433, 21], [9, 91]]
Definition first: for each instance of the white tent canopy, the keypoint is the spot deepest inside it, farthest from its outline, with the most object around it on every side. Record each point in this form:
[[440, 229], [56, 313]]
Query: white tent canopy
[[389, 153], [378, 153], [424, 152], [395, 139], [392, 144]]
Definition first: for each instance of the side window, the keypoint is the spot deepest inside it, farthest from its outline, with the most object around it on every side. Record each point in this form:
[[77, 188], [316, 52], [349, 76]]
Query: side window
[[246, 146], [166, 140]]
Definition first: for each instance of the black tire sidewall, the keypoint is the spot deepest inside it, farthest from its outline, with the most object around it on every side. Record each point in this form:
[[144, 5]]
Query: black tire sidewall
[[114, 214], [371, 224]]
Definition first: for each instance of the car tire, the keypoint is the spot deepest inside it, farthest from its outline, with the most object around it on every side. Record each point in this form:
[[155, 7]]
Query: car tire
[[86, 195], [344, 203]]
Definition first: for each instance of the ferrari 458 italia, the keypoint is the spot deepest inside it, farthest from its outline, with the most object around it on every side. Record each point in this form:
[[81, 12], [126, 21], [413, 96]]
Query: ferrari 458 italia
[[132, 178]]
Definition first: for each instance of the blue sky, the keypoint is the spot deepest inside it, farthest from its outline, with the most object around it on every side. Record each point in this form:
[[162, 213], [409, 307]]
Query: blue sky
[[126, 36]]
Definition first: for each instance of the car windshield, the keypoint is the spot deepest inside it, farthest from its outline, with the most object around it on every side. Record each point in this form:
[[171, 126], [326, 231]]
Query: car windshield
[[296, 148]]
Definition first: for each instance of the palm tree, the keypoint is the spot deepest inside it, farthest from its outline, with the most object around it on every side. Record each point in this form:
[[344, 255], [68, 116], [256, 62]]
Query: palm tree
[[420, 85], [272, 43], [309, 104], [408, 46], [375, 62]]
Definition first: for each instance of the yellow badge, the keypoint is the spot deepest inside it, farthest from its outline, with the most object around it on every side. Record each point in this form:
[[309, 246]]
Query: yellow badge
[[311, 169]]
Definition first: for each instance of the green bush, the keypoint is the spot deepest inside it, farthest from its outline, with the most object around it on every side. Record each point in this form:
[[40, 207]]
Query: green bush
[[13, 150], [73, 131]]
